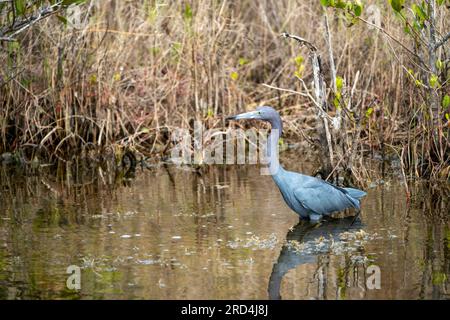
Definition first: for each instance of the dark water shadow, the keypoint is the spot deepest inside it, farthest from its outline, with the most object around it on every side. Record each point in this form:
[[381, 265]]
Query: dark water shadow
[[305, 232]]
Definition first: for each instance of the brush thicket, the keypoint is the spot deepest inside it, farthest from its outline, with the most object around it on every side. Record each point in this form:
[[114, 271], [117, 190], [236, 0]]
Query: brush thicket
[[136, 70]]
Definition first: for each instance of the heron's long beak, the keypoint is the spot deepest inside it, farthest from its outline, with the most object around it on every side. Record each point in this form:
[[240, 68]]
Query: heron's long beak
[[246, 115]]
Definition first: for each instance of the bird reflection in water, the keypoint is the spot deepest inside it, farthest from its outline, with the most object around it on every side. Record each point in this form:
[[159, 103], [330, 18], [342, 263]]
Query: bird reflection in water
[[307, 232]]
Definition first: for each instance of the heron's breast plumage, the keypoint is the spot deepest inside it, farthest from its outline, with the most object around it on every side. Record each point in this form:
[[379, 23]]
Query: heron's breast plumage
[[286, 184]]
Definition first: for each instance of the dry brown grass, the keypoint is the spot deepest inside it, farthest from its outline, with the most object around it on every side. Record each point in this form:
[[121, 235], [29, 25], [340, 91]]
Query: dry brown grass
[[139, 69]]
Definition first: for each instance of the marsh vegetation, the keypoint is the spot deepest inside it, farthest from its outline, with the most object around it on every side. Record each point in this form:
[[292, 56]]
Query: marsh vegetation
[[106, 77]]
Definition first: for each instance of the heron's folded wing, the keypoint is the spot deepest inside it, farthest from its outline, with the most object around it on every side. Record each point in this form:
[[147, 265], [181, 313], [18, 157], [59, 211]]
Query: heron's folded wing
[[322, 198]]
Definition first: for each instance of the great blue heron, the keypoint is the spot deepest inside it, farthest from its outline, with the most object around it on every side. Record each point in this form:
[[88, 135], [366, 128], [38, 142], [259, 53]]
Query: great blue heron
[[308, 196]]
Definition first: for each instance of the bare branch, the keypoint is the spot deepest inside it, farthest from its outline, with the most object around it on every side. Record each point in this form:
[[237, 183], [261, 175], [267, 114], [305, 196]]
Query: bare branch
[[9, 33], [299, 40], [442, 42], [307, 95], [7, 39], [320, 98]]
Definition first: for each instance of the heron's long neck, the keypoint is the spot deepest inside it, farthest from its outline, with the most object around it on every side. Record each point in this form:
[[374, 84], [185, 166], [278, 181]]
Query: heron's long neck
[[272, 143]]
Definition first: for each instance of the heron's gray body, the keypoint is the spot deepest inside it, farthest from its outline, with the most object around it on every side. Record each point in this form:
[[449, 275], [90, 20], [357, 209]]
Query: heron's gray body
[[308, 196], [313, 198]]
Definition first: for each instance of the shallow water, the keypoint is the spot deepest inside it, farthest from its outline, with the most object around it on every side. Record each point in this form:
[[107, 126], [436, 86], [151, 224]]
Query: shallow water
[[171, 233]]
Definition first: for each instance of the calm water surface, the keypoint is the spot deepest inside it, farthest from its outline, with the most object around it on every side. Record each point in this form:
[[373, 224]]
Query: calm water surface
[[227, 234]]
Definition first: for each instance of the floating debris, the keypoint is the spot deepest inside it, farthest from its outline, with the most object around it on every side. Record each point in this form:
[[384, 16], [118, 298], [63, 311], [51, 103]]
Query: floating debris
[[248, 261], [88, 262], [391, 235], [148, 261], [188, 252], [357, 259], [357, 235], [125, 236], [161, 284], [176, 237], [254, 242], [361, 234], [295, 245], [345, 242], [218, 186], [196, 215]]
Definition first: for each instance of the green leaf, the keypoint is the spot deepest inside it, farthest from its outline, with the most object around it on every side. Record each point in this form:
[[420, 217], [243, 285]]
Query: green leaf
[[339, 83], [69, 2], [187, 13], [407, 29], [299, 66], [434, 81], [420, 13], [243, 61], [357, 8], [152, 14], [337, 101], [21, 6], [439, 278], [446, 101], [13, 46], [234, 75], [397, 5], [299, 60], [62, 19], [117, 76], [93, 79], [340, 4]]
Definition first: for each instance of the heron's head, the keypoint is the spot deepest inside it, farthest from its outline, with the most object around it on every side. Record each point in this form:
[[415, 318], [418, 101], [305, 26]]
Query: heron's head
[[264, 113]]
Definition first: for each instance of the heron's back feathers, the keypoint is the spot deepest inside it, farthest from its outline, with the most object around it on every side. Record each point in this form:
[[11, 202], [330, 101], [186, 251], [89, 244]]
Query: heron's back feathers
[[308, 195], [355, 193]]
